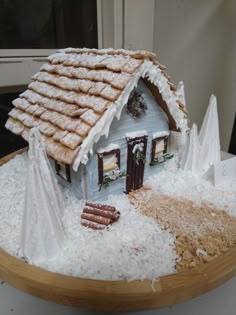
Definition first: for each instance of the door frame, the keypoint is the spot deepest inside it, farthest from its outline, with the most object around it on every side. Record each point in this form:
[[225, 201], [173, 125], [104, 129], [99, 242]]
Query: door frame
[[135, 174], [119, 24]]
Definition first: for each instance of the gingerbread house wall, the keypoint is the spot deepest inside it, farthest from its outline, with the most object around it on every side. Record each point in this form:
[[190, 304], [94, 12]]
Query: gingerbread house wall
[[85, 180]]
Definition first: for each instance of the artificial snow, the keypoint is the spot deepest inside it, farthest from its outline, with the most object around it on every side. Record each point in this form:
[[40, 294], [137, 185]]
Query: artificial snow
[[12, 190], [184, 184], [133, 248]]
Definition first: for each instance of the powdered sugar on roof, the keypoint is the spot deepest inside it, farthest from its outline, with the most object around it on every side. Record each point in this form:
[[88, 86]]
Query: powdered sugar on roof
[[98, 81]]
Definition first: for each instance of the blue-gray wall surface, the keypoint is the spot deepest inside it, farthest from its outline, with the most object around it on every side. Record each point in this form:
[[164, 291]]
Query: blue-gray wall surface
[[85, 182]]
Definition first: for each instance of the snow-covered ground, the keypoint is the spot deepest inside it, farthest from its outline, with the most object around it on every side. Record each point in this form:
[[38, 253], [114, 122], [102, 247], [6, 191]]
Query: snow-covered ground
[[184, 184], [134, 248]]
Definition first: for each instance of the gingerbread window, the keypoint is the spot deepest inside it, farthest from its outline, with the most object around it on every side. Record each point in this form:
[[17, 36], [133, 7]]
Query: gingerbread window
[[108, 164], [63, 170], [159, 150]]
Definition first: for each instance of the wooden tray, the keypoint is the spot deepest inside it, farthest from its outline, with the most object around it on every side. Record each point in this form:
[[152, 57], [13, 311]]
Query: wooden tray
[[116, 295]]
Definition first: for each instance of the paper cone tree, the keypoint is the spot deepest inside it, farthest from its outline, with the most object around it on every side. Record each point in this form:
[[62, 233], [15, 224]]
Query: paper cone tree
[[190, 159], [42, 233], [209, 136]]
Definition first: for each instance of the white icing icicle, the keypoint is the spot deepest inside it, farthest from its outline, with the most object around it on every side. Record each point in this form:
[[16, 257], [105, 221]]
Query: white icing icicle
[[42, 233], [190, 160], [209, 136], [180, 93]]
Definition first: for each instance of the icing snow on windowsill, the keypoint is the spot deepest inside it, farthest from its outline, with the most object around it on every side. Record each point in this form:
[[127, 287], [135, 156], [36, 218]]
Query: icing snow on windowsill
[[110, 147], [135, 134], [160, 134]]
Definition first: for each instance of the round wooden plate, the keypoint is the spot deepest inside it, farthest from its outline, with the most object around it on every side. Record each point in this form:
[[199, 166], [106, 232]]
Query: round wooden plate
[[116, 295]]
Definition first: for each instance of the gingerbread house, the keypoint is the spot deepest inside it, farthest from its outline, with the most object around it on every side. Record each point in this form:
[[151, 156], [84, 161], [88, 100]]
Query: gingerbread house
[[105, 116]]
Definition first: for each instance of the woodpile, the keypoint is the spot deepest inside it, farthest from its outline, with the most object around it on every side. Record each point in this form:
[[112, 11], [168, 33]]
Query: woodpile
[[98, 216]]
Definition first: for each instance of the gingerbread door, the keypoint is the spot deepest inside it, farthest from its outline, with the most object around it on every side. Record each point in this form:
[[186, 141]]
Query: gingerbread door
[[136, 156]]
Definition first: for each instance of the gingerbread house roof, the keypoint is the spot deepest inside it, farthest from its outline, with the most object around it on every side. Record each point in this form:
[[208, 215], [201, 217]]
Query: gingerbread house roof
[[77, 93]]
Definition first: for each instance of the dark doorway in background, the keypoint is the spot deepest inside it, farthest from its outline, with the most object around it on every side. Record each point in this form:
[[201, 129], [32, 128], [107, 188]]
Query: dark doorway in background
[[8, 141], [232, 145]]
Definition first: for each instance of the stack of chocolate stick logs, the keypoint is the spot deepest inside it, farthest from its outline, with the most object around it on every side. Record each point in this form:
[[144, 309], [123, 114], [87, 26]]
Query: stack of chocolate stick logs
[[98, 216]]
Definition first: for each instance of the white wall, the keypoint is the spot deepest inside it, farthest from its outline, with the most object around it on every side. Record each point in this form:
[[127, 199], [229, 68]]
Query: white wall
[[138, 24], [196, 41]]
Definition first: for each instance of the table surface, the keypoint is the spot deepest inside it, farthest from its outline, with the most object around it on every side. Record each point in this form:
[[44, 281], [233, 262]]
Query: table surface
[[221, 301]]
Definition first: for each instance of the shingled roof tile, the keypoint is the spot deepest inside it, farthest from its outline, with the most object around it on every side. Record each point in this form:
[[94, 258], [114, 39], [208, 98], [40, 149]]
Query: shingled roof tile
[[82, 129], [47, 128], [90, 117], [59, 134], [71, 140], [21, 103], [14, 126]]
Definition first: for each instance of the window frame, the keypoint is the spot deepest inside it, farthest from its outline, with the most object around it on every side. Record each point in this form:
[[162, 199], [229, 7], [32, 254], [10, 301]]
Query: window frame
[[153, 148], [67, 171], [100, 163], [19, 65]]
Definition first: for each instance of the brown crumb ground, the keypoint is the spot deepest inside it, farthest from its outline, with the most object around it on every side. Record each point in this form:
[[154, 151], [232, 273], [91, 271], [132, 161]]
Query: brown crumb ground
[[202, 233]]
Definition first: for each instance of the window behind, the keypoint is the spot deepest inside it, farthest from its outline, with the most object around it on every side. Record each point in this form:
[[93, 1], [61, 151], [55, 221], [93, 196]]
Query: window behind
[[108, 163], [63, 170], [159, 150], [45, 24]]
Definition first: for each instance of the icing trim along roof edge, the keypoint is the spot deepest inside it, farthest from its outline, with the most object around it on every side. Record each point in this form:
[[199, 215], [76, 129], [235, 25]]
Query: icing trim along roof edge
[[153, 73], [76, 95]]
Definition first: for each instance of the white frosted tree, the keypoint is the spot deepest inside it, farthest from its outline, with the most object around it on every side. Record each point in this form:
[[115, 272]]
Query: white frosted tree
[[190, 159], [42, 234], [209, 136], [180, 93]]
